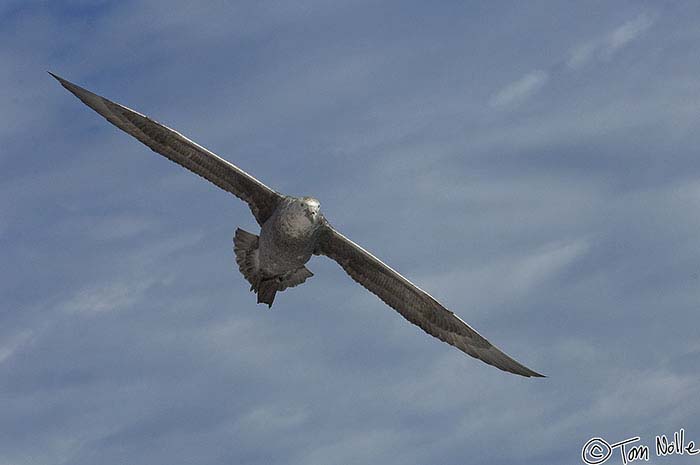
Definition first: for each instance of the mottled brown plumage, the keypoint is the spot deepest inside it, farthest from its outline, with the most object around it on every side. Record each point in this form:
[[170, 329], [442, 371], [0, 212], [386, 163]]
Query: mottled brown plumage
[[292, 229]]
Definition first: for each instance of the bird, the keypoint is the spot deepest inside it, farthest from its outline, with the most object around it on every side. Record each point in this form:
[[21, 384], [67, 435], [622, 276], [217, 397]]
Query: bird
[[292, 230]]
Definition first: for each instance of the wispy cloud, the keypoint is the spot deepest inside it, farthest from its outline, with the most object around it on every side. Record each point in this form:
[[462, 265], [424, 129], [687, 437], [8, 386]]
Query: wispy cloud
[[507, 279], [274, 418], [628, 32], [610, 44], [521, 89], [106, 298], [8, 348], [602, 48]]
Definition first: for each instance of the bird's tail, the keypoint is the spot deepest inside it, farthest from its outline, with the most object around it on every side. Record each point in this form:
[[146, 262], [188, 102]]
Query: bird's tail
[[245, 246], [266, 290]]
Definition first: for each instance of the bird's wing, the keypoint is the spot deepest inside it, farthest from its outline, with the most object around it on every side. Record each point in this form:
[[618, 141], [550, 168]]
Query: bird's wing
[[184, 152], [414, 304]]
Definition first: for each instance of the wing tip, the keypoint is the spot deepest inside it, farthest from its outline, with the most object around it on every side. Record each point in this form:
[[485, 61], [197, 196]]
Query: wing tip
[[519, 369], [495, 357], [62, 81], [76, 90], [532, 374]]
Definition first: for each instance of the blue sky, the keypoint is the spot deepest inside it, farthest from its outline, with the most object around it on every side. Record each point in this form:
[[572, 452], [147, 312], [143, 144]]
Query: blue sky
[[533, 165]]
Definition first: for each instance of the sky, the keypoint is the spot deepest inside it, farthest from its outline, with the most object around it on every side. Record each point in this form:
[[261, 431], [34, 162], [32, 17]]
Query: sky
[[533, 165]]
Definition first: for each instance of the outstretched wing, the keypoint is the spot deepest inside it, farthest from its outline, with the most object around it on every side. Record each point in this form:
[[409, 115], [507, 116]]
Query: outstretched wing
[[184, 152], [414, 304]]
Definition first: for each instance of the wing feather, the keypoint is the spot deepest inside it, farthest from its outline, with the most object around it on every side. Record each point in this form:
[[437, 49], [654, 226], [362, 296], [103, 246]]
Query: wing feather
[[176, 147], [414, 304]]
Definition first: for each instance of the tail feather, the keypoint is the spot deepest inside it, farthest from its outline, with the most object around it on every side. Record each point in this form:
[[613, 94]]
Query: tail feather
[[267, 290], [245, 246]]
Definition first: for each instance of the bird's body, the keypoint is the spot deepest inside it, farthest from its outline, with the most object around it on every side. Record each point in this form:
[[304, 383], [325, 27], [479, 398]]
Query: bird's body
[[291, 231], [288, 237], [286, 243]]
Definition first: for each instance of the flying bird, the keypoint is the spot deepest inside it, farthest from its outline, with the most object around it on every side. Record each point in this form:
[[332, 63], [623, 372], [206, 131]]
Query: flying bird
[[292, 229]]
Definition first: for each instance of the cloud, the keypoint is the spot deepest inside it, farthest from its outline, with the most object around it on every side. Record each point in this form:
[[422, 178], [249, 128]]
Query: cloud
[[107, 298], [581, 55], [507, 279], [605, 47], [521, 89], [270, 418], [8, 348], [627, 32]]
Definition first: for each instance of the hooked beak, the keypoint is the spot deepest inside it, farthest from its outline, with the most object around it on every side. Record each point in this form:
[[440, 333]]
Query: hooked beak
[[310, 214]]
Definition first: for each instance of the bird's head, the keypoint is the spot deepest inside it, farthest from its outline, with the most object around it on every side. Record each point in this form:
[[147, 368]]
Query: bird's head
[[312, 207]]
